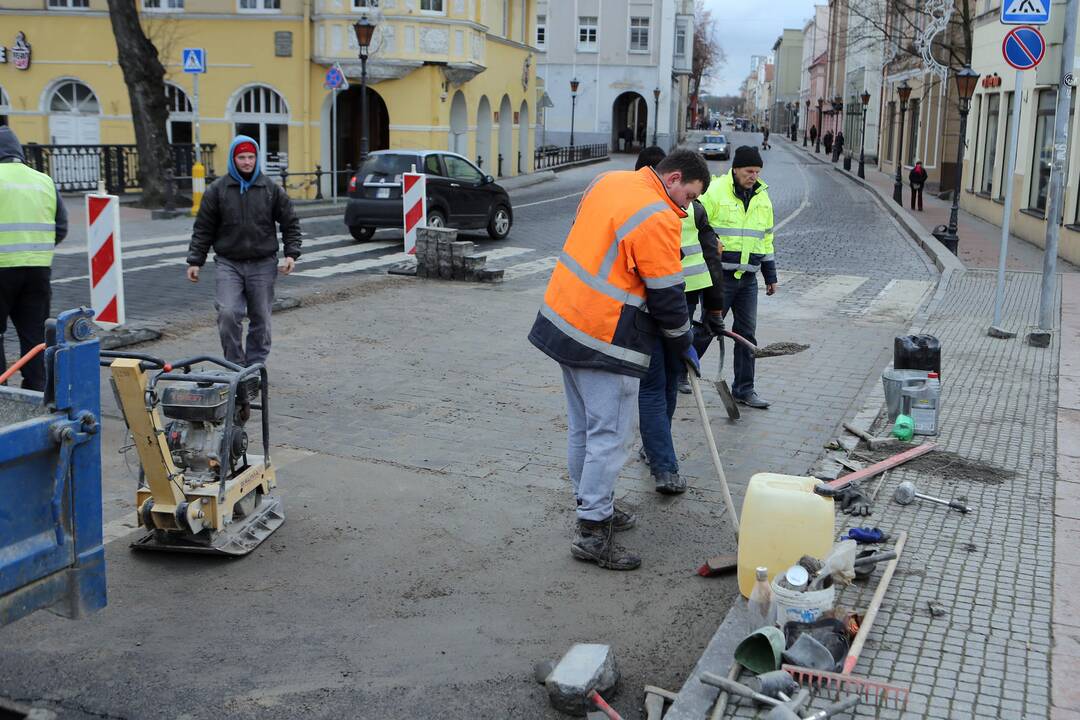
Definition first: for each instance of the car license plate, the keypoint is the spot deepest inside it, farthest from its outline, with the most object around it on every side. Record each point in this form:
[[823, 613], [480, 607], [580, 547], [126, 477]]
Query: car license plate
[[382, 193]]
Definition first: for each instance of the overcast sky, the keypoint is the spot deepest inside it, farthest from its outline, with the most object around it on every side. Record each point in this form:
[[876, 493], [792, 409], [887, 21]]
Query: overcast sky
[[746, 28]]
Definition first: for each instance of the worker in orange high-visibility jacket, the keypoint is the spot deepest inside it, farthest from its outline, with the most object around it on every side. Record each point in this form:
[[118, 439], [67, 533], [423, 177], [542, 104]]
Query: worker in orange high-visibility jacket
[[618, 285]]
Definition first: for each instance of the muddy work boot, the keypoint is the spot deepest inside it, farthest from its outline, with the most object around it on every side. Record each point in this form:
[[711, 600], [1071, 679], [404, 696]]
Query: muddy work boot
[[622, 520], [593, 543], [669, 483]]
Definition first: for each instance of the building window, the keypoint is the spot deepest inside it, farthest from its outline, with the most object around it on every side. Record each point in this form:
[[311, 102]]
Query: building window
[[5, 107], [1005, 161], [891, 134], [1043, 152], [180, 125], [541, 30], [993, 108], [639, 34], [261, 113], [586, 34], [680, 39], [260, 5], [364, 4], [912, 138], [77, 4], [163, 4], [432, 6], [977, 104]]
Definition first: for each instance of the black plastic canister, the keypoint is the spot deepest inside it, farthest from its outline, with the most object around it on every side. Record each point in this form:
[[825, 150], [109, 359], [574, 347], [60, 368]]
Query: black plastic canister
[[917, 352]]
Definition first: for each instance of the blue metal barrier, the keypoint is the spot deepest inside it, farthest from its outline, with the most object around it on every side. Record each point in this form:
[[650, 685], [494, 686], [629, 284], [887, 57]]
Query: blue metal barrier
[[51, 552]]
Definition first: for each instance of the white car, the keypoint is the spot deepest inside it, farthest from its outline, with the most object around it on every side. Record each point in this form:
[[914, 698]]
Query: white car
[[715, 146]]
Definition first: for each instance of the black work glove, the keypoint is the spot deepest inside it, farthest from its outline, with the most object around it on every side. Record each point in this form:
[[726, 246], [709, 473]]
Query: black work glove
[[714, 323], [853, 501]]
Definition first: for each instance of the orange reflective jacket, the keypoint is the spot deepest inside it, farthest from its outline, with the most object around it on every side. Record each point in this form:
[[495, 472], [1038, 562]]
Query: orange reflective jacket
[[618, 284]]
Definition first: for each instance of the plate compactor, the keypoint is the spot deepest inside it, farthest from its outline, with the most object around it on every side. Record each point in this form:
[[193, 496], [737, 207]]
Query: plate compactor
[[200, 490]]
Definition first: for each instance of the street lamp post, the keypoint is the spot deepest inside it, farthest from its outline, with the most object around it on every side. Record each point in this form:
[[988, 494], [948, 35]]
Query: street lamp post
[[573, 107], [817, 143], [966, 80], [838, 107], [903, 91], [364, 29], [656, 114], [806, 122], [865, 97]]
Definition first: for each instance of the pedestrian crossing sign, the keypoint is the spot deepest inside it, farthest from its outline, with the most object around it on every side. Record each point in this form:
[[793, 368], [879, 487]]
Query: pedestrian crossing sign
[[1025, 12], [194, 60]]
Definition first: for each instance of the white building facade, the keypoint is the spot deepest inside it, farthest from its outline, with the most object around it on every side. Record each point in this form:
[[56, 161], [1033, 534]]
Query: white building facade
[[865, 58], [631, 61]]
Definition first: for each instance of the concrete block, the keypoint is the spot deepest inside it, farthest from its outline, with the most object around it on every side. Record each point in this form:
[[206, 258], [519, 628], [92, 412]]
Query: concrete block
[[490, 276], [584, 667]]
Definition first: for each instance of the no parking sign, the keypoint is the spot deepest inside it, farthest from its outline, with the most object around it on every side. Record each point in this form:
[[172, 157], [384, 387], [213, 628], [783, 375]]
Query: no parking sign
[[1023, 47]]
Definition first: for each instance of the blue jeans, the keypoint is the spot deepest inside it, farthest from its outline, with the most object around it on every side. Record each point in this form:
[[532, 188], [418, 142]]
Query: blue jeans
[[656, 406], [741, 297]]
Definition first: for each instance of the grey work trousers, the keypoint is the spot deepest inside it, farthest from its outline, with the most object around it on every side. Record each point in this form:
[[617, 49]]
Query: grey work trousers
[[601, 408], [245, 288]]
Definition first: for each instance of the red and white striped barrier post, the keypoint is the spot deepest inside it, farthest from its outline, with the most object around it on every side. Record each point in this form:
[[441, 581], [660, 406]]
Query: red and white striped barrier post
[[414, 205], [103, 254]]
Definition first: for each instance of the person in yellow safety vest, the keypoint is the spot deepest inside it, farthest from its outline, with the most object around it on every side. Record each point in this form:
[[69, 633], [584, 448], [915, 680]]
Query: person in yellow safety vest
[[33, 221], [657, 395], [741, 214], [616, 289]]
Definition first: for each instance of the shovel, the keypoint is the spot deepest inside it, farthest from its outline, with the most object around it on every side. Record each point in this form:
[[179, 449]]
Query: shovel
[[770, 350], [722, 387]]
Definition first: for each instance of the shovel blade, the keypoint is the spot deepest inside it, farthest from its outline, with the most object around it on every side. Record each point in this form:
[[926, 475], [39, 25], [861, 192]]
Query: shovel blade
[[727, 399]]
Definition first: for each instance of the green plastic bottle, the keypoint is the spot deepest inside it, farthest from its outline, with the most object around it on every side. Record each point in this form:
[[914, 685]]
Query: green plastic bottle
[[904, 429]]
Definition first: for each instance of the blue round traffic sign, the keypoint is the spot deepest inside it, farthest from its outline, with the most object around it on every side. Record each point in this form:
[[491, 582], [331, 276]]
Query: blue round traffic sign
[[1023, 47]]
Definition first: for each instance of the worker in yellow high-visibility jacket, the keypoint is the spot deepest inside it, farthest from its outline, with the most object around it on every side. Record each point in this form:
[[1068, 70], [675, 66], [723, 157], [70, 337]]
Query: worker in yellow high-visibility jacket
[[32, 221]]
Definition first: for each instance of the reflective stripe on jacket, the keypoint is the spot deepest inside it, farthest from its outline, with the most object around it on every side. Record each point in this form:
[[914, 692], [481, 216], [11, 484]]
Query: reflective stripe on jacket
[[27, 216], [618, 283], [695, 271], [746, 233]]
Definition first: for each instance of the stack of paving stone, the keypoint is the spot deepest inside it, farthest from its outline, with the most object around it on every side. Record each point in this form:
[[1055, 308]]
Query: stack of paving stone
[[439, 254]]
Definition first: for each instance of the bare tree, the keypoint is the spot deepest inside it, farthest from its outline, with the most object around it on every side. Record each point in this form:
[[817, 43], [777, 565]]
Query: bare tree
[[708, 55], [901, 24], [144, 76]]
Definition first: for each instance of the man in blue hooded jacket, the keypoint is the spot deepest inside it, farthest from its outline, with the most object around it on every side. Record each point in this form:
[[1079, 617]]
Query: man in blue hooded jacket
[[239, 217]]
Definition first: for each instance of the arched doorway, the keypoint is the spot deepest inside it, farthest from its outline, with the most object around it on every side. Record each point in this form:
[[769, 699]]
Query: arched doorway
[[629, 122], [524, 163], [260, 112], [180, 126], [506, 137], [74, 115], [483, 134], [459, 125], [349, 135]]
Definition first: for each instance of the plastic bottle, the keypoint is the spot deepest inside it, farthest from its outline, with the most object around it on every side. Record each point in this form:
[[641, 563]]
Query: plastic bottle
[[922, 403], [904, 428], [760, 602]]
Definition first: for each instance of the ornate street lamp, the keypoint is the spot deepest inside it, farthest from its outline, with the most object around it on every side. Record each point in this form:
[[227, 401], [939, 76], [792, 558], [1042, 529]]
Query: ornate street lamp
[[573, 107], [966, 80], [364, 29], [806, 121], [656, 113], [865, 97], [817, 146], [903, 91]]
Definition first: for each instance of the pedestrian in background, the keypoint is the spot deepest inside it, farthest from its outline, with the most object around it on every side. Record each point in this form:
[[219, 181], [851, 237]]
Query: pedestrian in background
[[917, 178], [838, 145], [764, 138], [826, 140], [657, 396], [813, 133], [33, 221], [239, 217], [741, 213], [615, 290]]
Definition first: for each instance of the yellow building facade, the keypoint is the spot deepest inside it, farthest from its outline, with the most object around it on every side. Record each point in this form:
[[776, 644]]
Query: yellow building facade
[[442, 74]]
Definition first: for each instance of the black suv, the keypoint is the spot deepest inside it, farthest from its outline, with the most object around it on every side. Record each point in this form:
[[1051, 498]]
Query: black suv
[[459, 195]]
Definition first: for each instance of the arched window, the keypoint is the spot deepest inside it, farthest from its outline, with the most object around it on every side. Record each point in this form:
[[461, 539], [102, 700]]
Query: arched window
[[260, 112], [181, 115], [73, 115]]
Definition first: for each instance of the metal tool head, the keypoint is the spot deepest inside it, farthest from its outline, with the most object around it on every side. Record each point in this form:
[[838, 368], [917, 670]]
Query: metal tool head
[[880, 693], [905, 493]]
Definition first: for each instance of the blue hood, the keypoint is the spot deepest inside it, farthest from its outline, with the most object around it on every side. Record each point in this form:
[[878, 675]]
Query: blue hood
[[244, 184]]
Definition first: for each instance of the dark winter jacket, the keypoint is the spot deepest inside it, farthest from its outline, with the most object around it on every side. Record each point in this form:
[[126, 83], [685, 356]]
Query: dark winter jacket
[[713, 295], [917, 176], [242, 227], [11, 151]]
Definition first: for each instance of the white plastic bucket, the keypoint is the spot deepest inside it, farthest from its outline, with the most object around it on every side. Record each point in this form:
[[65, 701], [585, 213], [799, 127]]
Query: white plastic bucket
[[806, 607]]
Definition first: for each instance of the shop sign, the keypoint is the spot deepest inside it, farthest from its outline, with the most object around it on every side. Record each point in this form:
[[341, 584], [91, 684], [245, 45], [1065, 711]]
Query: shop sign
[[20, 52]]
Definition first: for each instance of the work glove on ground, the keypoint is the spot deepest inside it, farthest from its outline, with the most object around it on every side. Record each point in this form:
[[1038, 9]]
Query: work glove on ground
[[867, 535], [853, 501], [693, 362], [714, 323]]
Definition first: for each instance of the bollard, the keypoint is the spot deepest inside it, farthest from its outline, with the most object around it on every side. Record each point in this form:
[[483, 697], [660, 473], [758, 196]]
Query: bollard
[[318, 182], [198, 187]]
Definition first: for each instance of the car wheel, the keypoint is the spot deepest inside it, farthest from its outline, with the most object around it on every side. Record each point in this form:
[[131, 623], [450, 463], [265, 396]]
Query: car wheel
[[499, 224], [436, 219], [361, 232]]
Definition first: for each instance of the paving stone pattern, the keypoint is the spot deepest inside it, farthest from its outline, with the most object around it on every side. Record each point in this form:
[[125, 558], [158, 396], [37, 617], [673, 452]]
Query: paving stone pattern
[[988, 656]]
